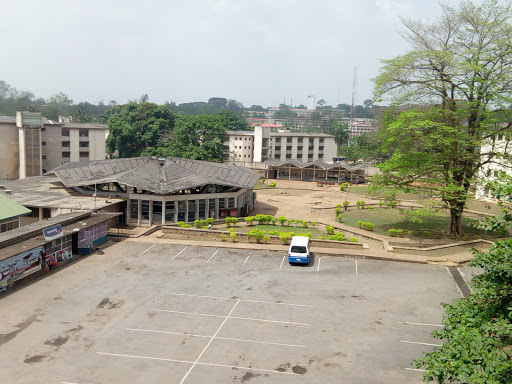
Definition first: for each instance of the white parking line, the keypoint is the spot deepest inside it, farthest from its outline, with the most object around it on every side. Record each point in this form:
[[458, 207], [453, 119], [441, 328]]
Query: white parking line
[[211, 257], [179, 253], [191, 362], [146, 250], [218, 338], [416, 342], [207, 345], [430, 325], [247, 258], [246, 300], [414, 369], [318, 267], [282, 261], [231, 317], [356, 266]]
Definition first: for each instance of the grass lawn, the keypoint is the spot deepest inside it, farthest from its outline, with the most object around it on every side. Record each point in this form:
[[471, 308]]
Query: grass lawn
[[363, 191], [395, 218]]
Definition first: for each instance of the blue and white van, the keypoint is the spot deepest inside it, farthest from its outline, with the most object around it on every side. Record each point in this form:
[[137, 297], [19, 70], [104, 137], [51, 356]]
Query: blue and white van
[[299, 250]]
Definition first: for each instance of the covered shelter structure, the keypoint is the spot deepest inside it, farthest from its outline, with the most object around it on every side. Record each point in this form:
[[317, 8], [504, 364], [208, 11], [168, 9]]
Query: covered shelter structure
[[165, 190], [314, 171]]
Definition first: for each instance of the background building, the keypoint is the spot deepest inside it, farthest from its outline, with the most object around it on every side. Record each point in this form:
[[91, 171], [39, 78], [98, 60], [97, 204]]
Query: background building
[[253, 148], [31, 145]]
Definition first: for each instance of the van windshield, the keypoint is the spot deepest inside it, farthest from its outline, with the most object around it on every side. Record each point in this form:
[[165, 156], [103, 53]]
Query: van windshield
[[298, 249]]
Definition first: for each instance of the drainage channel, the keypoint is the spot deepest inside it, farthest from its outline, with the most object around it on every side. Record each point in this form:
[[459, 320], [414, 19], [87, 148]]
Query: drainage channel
[[459, 280]]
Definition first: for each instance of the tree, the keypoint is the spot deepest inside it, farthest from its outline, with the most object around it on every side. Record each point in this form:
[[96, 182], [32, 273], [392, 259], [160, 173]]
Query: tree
[[235, 123], [80, 117], [321, 102], [368, 103], [477, 333], [198, 137], [340, 132], [144, 98], [135, 127], [460, 69], [218, 102]]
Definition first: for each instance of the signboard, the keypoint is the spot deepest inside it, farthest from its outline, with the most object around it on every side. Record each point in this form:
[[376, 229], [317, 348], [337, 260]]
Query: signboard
[[53, 233], [19, 266]]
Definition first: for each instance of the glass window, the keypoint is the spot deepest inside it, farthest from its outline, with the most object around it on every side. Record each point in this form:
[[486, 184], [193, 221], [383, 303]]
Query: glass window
[[145, 209], [134, 209], [65, 131], [231, 202], [66, 154], [202, 209], [191, 210], [169, 211], [222, 203], [83, 133], [182, 209]]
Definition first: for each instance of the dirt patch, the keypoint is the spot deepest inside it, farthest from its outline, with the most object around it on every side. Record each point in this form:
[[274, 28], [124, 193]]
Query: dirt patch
[[299, 370], [57, 342], [34, 359], [248, 376], [106, 303], [6, 337]]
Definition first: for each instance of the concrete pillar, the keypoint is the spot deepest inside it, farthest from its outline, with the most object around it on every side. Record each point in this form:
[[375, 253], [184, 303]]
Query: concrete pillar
[[139, 212], [186, 211], [197, 210], [163, 212], [41, 213], [176, 212], [150, 213], [128, 209]]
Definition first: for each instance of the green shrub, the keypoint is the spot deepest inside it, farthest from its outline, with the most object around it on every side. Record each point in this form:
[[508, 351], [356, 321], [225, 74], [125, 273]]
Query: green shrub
[[392, 204], [337, 237], [339, 217], [360, 204], [231, 229], [313, 223], [410, 233], [427, 234], [338, 211], [256, 234], [266, 239], [231, 221], [198, 224], [297, 222], [206, 227], [210, 220], [392, 232], [381, 204], [338, 205], [273, 220], [264, 219], [284, 237], [232, 236], [346, 204], [354, 240], [329, 229], [399, 232], [250, 219], [367, 225], [305, 234], [343, 186], [182, 224], [304, 224], [223, 236], [272, 184], [282, 220], [262, 180], [273, 232], [359, 223], [321, 237]]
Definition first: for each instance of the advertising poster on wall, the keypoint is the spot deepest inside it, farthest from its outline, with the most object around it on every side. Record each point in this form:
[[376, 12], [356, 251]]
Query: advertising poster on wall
[[59, 256], [19, 266]]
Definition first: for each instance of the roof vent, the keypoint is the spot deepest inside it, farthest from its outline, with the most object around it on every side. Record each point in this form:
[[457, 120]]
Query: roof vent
[[8, 191], [161, 161]]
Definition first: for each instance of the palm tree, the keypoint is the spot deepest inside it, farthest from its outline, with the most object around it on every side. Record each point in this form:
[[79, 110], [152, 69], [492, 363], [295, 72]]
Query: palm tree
[[340, 132]]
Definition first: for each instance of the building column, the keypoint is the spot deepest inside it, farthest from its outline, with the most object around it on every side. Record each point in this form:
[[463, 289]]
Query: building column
[[186, 211], [41, 213], [197, 210], [150, 213], [216, 208], [163, 212], [128, 209], [326, 173], [290, 173], [175, 211], [207, 208], [314, 173], [139, 212], [301, 172]]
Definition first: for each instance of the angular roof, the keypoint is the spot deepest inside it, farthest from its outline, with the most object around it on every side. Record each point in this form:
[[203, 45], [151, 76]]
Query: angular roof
[[9, 208], [146, 173], [318, 163]]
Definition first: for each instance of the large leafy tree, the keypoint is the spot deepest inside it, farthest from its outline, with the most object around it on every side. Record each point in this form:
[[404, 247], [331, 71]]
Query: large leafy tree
[[135, 127], [460, 67], [340, 132], [477, 337], [198, 137]]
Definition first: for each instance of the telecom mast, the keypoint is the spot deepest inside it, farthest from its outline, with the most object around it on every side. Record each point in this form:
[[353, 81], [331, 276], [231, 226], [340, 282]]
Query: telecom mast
[[353, 112]]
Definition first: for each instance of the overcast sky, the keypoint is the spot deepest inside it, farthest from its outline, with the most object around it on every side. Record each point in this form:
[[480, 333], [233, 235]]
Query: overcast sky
[[255, 51]]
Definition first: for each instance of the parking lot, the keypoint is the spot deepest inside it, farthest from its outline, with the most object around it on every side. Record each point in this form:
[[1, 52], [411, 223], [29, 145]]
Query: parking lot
[[156, 313]]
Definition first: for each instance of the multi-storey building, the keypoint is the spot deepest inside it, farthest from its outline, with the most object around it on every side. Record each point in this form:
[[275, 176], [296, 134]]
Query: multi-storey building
[[31, 145], [253, 148]]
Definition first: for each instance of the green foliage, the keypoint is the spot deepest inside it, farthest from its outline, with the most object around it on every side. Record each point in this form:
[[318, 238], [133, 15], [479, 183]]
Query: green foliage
[[477, 337], [210, 220], [360, 204], [272, 184], [182, 224], [231, 221], [427, 234], [266, 239], [198, 137], [339, 217], [321, 237], [297, 222], [223, 236], [256, 234], [273, 220], [354, 240], [337, 211], [250, 219], [305, 234], [198, 224], [231, 229], [304, 224], [399, 232], [329, 229], [366, 225], [264, 219], [392, 203], [392, 232], [232, 236], [346, 204], [337, 237], [410, 233], [289, 222], [343, 186], [359, 223], [136, 127], [338, 205], [273, 232], [282, 220], [381, 204], [313, 223]]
